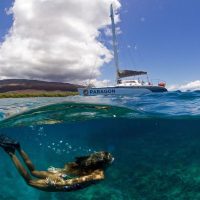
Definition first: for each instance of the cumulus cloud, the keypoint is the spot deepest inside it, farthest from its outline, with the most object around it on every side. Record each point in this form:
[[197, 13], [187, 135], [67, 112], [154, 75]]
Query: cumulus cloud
[[56, 40], [108, 31], [99, 83], [194, 85]]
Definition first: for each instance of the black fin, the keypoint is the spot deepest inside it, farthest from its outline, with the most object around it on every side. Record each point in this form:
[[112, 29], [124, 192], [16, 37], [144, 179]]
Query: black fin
[[8, 144]]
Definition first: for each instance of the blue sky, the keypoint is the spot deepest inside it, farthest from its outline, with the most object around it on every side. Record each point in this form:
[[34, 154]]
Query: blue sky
[[5, 20], [167, 38], [159, 36]]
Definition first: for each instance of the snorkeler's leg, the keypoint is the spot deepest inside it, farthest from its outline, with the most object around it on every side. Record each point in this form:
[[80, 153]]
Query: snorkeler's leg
[[29, 164], [19, 167], [26, 159]]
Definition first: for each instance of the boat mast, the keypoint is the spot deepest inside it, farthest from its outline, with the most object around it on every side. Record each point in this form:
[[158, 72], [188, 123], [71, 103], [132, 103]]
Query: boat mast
[[114, 43]]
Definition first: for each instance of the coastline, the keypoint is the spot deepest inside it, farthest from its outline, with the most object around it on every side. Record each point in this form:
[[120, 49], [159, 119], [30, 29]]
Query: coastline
[[30, 94]]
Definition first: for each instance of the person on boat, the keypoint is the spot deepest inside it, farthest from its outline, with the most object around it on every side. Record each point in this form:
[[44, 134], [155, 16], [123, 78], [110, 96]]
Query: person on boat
[[83, 172]]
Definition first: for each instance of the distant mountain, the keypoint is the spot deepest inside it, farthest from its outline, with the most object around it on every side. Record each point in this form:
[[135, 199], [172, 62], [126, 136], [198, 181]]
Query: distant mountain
[[8, 85]]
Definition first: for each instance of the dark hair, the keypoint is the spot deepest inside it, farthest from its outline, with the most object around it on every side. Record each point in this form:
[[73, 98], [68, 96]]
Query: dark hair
[[95, 161]]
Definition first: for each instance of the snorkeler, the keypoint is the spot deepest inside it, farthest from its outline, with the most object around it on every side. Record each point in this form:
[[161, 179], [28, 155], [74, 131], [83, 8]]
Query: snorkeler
[[84, 171]]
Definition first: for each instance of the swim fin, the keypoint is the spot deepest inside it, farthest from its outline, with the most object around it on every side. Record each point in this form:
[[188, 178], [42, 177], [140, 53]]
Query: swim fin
[[8, 144]]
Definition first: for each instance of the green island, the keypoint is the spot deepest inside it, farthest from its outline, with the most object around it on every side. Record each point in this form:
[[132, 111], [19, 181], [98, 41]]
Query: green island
[[25, 88], [37, 94]]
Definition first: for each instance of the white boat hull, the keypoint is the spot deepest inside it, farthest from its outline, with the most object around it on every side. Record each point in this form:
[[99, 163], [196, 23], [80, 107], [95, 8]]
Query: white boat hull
[[120, 90]]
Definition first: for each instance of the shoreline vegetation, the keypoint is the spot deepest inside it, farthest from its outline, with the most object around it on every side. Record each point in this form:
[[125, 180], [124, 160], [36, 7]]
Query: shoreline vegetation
[[26, 88], [31, 94]]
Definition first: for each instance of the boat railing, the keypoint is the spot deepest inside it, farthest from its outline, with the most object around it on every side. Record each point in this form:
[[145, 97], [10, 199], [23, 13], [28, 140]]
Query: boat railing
[[158, 82]]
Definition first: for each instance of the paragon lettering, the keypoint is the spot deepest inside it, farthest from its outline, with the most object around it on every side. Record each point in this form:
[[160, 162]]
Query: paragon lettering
[[102, 91]]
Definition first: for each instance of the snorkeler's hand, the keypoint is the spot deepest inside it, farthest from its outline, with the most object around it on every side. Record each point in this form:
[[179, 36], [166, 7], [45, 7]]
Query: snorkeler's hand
[[98, 175]]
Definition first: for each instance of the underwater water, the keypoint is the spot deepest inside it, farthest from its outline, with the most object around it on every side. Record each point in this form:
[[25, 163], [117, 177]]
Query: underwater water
[[154, 138]]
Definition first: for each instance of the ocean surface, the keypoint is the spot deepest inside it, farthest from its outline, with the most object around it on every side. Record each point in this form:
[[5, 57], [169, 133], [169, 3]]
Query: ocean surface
[[154, 138]]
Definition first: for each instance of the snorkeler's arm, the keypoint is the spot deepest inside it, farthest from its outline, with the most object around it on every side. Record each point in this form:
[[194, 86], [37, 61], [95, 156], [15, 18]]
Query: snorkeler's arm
[[52, 185], [97, 175]]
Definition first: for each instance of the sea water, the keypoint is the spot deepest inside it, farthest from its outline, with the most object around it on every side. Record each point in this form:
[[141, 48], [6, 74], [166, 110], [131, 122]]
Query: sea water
[[154, 138]]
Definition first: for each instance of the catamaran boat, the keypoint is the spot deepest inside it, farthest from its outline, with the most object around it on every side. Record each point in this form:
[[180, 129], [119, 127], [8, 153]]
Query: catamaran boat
[[123, 87]]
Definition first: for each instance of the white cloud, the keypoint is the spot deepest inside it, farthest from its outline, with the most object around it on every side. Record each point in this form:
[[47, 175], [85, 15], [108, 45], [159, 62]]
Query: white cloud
[[56, 40], [108, 31], [96, 83], [99, 83], [194, 85]]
